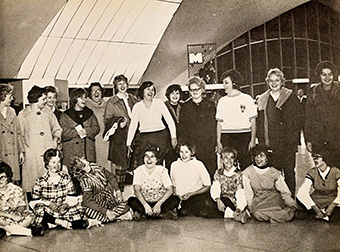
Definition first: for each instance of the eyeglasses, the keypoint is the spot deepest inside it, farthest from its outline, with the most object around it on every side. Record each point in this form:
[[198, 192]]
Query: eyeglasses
[[194, 89], [3, 177]]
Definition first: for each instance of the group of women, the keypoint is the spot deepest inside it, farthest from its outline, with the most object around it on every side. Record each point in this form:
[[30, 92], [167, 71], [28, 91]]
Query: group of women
[[189, 158]]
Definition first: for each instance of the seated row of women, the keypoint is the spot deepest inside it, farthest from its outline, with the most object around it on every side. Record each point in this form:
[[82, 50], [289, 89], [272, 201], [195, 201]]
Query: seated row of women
[[259, 191]]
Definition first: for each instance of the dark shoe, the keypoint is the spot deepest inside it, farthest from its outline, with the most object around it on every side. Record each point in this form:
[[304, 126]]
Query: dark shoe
[[136, 216], [38, 230], [2, 233]]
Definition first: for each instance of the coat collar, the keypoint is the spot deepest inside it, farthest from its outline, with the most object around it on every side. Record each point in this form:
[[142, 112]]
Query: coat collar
[[10, 116], [284, 95]]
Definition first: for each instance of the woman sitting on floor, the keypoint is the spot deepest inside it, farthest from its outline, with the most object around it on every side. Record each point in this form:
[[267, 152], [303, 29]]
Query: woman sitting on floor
[[267, 193], [52, 200], [323, 202], [192, 183], [102, 197], [153, 189], [14, 215], [227, 188]]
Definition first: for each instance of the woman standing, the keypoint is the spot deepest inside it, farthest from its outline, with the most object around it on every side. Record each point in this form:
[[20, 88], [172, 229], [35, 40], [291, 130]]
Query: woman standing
[[51, 101], [41, 131], [118, 109], [11, 139], [174, 103], [97, 104], [197, 124], [279, 123], [148, 113], [80, 126], [236, 118], [322, 113]]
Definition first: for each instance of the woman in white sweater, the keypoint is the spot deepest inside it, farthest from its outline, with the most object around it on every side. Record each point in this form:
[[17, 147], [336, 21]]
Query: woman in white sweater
[[147, 115]]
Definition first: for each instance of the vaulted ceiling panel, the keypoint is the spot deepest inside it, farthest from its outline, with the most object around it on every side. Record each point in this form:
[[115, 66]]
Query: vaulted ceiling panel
[[93, 40]]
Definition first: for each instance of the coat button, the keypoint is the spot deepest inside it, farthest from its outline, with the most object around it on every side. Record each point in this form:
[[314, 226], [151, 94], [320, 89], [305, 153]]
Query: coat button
[[77, 142], [41, 133], [12, 132], [3, 132], [38, 113]]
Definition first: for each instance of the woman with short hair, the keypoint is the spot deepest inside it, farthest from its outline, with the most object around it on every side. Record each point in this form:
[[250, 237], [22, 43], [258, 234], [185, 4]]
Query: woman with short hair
[[80, 127]]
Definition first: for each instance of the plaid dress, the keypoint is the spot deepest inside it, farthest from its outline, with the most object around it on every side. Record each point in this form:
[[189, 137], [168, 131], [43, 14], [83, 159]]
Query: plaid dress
[[99, 186], [55, 192]]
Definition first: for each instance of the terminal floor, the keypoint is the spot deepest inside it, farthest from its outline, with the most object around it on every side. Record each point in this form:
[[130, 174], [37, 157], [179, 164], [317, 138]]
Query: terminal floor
[[189, 234]]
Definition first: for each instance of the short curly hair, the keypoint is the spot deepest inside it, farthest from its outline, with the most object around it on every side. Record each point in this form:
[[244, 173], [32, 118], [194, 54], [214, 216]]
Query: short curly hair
[[35, 93], [257, 149], [118, 78], [235, 77], [278, 73], [143, 86], [323, 65], [172, 88], [5, 89], [198, 81], [51, 153], [75, 94], [5, 168]]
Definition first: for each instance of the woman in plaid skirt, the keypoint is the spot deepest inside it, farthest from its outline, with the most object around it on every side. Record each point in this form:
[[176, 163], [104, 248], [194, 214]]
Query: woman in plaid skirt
[[52, 200]]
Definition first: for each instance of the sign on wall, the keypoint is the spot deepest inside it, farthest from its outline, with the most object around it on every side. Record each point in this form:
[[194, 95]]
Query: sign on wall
[[202, 62]]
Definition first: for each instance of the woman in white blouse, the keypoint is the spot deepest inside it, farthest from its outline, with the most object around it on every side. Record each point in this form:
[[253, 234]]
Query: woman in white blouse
[[148, 113]]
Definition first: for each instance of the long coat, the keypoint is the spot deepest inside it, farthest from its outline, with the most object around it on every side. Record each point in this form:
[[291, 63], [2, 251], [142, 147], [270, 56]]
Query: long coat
[[322, 124], [73, 145], [115, 108], [102, 147], [38, 128], [11, 141]]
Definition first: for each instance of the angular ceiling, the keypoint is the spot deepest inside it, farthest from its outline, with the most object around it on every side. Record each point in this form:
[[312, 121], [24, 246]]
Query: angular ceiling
[[94, 40]]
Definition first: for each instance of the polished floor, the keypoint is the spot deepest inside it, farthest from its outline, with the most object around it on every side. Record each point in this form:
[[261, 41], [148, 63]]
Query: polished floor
[[189, 234]]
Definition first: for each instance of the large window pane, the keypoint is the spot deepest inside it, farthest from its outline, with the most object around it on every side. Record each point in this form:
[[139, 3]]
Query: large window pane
[[324, 24], [301, 53], [274, 57], [272, 28], [325, 52], [224, 63], [299, 22], [287, 52], [257, 33], [286, 25], [225, 49], [312, 20], [313, 48], [258, 62], [336, 57], [242, 63], [335, 24], [259, 89]]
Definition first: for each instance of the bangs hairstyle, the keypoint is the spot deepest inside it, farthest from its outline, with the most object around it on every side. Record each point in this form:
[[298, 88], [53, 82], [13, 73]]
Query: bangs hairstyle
[[278, 73], [323, 65], [152, 149], [172, 88], [75, 94], [51, 153], [235, 77], [198, 81], [35, 93], [5, 168], [5, 89], [192, 148], [143, 86], [257, 149], [51, 89], [117, 79], [94, 84], [224, 152]]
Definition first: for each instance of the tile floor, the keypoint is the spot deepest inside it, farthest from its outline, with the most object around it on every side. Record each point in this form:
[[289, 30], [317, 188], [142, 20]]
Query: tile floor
[[189, 234]]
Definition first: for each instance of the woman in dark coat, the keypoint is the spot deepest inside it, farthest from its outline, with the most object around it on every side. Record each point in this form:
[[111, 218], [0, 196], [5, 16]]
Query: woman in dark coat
[[279, 123], [322, 125], [117, 117], [197, 124], [80, 126]]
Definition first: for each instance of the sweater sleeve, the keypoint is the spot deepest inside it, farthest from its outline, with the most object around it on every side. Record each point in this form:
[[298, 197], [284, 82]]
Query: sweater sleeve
[[215, 190], [248, 191], [286, 195], [303, 194]]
